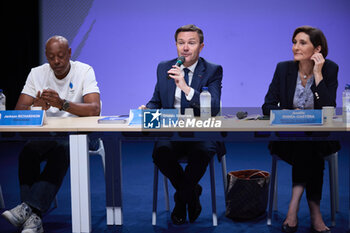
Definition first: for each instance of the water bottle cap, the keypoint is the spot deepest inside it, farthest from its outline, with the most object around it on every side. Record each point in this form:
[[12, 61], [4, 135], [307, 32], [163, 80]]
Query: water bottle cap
[[205, 88], [347, 87]]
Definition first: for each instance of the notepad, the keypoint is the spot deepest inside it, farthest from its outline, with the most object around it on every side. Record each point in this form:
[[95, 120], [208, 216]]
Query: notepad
[[120, 119]]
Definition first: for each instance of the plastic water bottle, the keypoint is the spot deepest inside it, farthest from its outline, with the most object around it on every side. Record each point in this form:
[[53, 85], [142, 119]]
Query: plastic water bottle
[[205, 103], [346, 104], [2, 101]]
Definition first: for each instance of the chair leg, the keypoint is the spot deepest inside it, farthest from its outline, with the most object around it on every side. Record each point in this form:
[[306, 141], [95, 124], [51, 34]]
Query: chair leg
[[2, 202], [224, 174], [332, 184], [166, 193], [155, 196], [272, 189], [336, 177], [213, 194], [275, 196], [101, 152]]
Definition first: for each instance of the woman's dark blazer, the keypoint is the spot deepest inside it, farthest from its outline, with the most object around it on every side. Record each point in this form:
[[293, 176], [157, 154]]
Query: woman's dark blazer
[[281, 93], [282, 88]]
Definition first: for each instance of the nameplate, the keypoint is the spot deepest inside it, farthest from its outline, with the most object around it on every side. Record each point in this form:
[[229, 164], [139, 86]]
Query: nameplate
[[296, 117], [22, 118], [135, 117]]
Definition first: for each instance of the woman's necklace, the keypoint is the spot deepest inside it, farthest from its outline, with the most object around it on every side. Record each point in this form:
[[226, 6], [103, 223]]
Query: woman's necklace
[[305, 76]]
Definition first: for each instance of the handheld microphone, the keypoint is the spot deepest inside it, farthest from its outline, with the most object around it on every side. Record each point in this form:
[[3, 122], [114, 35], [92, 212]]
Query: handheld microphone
[[180, 60]]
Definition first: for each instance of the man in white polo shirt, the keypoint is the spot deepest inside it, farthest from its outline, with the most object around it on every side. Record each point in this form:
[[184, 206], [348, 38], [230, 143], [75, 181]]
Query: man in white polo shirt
[[62, 88]]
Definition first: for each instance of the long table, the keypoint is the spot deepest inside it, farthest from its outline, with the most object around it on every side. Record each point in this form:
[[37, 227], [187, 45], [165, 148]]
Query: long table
[[80, 129]]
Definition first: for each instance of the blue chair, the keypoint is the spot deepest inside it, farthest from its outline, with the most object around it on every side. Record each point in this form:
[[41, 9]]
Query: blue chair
[[333, 181], [166, 192], [100, 151]]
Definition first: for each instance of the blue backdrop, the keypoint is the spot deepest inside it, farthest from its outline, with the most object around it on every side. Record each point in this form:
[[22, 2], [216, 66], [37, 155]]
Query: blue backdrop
[[125, 40]]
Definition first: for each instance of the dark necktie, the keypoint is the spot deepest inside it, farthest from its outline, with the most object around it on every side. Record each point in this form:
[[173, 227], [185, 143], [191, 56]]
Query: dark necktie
[[184, 102]]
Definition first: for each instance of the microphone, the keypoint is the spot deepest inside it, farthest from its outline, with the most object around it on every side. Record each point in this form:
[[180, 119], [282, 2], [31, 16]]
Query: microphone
[[241, 115], [180, 60]]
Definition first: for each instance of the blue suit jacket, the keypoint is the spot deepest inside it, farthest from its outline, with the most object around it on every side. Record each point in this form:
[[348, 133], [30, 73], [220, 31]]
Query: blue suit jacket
[[205, 75], [282, 88], [280, 96]]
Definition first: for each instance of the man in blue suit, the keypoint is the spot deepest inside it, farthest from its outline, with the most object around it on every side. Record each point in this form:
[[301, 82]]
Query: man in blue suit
[[180, 87]]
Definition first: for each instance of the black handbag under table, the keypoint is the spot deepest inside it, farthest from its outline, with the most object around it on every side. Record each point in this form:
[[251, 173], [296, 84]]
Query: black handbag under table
[[247, 194]]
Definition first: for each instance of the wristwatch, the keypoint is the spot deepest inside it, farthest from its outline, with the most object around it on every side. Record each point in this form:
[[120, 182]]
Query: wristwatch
[[65, 105]]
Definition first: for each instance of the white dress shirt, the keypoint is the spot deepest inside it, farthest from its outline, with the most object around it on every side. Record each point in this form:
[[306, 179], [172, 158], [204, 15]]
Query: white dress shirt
[[177, 100]]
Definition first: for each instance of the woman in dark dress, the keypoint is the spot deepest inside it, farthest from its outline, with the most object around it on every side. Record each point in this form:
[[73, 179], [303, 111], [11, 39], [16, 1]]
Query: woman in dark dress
[[307, 82]]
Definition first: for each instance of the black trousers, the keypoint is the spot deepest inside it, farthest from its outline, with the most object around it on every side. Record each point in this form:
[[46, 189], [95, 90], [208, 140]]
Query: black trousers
[[39, 188], [307, 160], [166, 156], [308, 170]]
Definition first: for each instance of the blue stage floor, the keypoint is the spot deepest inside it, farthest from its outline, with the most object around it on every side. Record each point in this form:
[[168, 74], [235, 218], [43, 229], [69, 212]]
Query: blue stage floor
[[137, 193]]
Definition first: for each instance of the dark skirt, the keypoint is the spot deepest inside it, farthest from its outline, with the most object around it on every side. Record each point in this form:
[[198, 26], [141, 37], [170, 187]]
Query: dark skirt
[[288, 150]]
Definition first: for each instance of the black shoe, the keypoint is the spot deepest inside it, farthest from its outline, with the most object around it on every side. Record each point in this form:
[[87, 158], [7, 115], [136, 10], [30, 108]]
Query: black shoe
[[178, 216], [288, 229], [313, 230], [194, 206]]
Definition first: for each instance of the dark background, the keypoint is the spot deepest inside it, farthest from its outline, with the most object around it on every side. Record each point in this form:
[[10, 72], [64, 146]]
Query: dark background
[[20, 50]]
